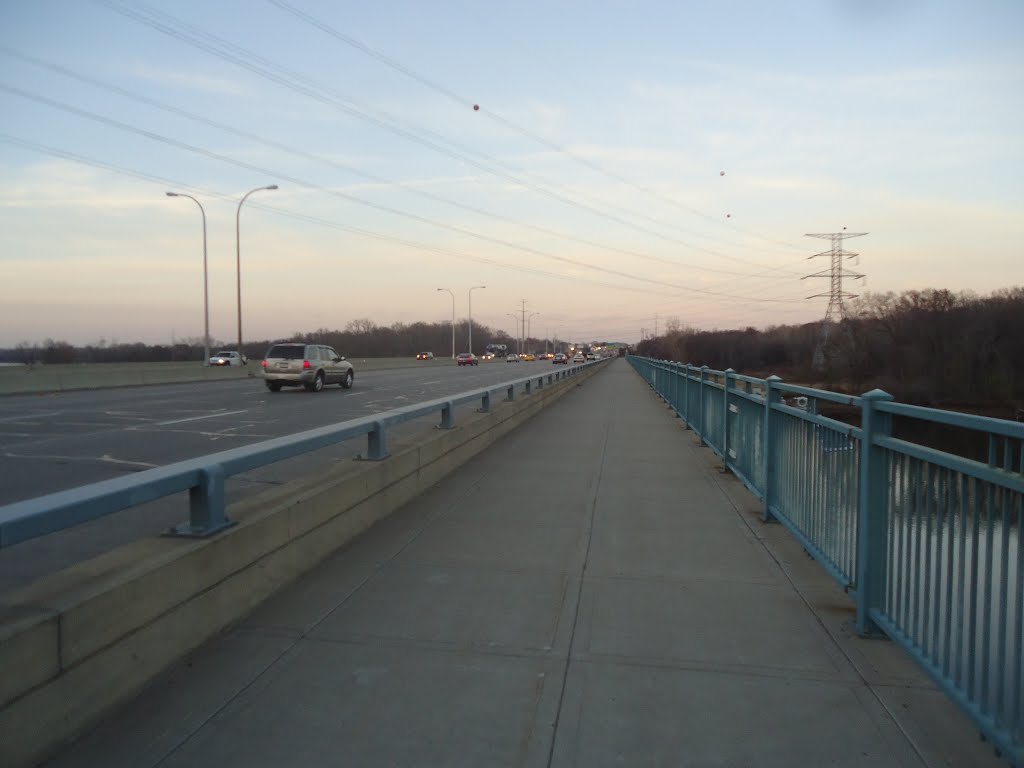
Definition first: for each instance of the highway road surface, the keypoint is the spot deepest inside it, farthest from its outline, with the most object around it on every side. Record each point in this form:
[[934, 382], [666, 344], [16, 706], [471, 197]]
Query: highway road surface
[[56, 441]]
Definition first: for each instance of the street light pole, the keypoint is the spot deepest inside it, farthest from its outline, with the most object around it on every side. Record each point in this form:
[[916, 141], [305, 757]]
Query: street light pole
[[471, 315], [528, 319], [516, 326], [453, 319], [206, 282], [238, 263]]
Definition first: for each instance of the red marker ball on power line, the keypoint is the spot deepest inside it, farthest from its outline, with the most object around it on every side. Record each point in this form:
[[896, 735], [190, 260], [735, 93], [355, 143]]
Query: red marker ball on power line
[[721, 173], [476, 107]]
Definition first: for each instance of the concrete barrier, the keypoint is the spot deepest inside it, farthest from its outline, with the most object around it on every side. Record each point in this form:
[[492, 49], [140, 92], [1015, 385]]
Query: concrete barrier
[[40, 379], [80, 642]]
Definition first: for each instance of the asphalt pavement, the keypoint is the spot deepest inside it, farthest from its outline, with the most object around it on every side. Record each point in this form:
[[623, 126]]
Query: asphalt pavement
[[50, 442], [589, 591]]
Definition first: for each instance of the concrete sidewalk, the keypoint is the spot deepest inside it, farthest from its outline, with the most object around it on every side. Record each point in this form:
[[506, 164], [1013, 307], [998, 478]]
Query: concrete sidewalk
[[590, 591]]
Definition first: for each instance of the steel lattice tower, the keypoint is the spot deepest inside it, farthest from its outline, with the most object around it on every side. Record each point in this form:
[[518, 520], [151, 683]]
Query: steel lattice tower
[[837, 309]]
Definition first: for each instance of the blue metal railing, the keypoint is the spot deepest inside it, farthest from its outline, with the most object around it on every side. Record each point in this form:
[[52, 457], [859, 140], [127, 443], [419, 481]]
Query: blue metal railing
[[204, 477], [930, 543]]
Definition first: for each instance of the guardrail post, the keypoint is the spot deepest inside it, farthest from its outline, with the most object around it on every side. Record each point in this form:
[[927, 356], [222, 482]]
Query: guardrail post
[[377, 442], [871, 511], [540, 383], [447, 416], [485, 403], [511, 393], [527, 389], [771, 397], [703, 378], [206, 504], [730, 383]]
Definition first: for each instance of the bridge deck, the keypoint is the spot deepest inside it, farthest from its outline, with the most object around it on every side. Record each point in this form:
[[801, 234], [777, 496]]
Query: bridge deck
[[591, 591]]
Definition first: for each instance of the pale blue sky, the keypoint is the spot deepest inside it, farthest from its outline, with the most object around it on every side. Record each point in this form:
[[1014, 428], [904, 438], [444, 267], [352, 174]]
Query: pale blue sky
[[588, 183]]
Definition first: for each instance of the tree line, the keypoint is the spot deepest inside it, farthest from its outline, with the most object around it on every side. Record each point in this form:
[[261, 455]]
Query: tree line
[[930, 347], [359, 338]]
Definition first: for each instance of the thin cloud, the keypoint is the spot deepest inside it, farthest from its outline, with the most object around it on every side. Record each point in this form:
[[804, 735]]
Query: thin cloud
[[190, 80]]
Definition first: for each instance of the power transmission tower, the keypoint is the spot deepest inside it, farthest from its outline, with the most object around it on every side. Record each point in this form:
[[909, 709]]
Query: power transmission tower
[[836, 311]]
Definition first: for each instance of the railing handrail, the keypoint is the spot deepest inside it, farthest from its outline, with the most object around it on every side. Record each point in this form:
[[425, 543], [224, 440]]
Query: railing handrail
[[30, 518]]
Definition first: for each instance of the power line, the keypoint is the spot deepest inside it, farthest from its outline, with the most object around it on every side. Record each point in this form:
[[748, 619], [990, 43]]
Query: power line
[[263, 67], [351, 198], [464, 102], [354, 171]]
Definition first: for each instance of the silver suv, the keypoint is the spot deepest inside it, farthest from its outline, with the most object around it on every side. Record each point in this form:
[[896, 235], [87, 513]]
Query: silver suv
[[305, 365]]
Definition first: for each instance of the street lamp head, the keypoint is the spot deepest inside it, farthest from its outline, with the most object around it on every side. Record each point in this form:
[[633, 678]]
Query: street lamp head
[[172, 194], [272, 186]]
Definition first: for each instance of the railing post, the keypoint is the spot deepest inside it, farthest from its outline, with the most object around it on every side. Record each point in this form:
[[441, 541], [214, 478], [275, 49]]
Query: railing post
[[377, 442], [206, 504], [511, 393], [527, 389], [872, 512], [730, 383], [686, 396], [771, 397], [703, 378], [485, 403], [447, 416], [675, 388]]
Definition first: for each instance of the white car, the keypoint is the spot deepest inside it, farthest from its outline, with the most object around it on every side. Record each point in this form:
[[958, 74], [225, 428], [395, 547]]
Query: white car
[[512, 359], [226, 358], [579, 358]]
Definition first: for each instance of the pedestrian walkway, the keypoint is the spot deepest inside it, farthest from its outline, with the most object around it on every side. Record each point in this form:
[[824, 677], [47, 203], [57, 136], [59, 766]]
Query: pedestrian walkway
[[591, 591]]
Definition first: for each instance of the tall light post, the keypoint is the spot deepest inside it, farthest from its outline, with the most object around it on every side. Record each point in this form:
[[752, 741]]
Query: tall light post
[[528, 319], [475, 287], [453, 319], [206, 283], [238, 262], [516, 326]]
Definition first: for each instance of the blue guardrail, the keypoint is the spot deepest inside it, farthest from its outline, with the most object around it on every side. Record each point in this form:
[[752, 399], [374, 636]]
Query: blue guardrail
[[929, 543], [204, 477]]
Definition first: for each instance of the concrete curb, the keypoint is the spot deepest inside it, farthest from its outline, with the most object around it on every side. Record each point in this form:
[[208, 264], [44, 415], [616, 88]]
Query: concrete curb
[[84, 640]]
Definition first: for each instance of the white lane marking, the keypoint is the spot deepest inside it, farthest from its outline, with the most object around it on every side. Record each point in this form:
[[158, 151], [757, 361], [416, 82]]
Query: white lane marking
[[198, 418], [106, 458], [29, 416], [426, 383]]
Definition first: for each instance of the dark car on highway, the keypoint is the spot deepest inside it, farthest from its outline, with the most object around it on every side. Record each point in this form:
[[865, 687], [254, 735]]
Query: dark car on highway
[[305, 365], [467, 358], [560, 357]]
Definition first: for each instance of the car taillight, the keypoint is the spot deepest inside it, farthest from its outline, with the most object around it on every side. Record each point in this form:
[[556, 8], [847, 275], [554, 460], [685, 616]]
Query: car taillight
[[263, 363], [305, 364]]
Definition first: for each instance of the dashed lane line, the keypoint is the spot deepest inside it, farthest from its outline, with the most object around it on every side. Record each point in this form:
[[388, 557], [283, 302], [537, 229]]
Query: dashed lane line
[[198, 418]]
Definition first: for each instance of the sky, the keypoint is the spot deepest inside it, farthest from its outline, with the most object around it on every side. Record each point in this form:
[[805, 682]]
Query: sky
[[631, 163]]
